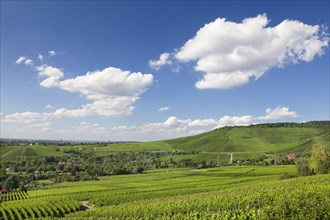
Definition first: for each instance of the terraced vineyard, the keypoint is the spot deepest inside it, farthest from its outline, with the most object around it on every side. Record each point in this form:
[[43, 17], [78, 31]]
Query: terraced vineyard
[[38, 208], [12, 196], [226, 140], [219, 193]]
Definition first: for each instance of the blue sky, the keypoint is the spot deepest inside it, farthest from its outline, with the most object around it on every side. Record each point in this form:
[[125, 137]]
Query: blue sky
[[101, 70]]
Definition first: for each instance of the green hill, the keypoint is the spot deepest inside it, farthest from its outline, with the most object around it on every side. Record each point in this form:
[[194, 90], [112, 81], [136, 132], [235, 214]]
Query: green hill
[[255, 139], [249, 139]]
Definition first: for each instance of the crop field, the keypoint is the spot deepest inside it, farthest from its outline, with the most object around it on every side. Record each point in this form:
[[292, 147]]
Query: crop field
[[242, 141], [247, 139], [228, 173], [218, 193]]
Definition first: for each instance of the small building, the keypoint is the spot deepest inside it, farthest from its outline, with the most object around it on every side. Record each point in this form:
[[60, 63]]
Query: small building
[[291, 156], [4, 191]]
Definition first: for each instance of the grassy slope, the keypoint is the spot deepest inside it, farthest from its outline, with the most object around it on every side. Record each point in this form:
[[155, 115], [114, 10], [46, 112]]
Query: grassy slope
[[240, 140], [28, 152], [248, 139]]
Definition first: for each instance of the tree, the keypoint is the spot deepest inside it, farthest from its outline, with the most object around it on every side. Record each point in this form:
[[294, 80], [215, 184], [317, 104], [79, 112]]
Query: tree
[[137, 170], [303, 168], [23, 188], [11, 183], [321, 154]]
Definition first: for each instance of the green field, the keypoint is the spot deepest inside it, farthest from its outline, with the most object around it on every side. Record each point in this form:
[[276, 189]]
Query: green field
[[238, 140], [248, 139], [223, 190], [219, 193]]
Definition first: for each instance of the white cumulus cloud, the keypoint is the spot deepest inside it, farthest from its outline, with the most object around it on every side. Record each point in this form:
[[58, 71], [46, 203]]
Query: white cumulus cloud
[[108, 82], [235, 120], [112, 90], [33, 124], [26, 117], [40, 57], [63, 112], [201, 122], [20, 60], [25, 60], [171, 121], [28, 62], [176, 127], [52, 74], [164, 59], [163, 109], [230, 54], [52, 53], [278, 112]]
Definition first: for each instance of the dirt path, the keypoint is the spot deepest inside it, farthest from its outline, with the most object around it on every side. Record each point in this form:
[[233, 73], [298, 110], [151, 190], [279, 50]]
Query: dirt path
[[85, 205]]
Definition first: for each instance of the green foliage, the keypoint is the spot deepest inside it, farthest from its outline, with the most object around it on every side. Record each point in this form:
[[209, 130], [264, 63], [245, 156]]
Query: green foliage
[[138, 170], [11, 183], [303, 167], [321, 153], [286, 176]]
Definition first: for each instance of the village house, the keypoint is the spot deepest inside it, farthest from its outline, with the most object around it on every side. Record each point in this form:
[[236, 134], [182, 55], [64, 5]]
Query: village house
[[4, 191], [291, 156]]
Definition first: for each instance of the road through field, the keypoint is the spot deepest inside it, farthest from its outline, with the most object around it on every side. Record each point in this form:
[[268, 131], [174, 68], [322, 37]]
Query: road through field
[[85, 205]]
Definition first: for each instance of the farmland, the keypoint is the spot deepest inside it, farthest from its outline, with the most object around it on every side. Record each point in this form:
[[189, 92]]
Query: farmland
[[239, 140], [245, 192], [228, 173]]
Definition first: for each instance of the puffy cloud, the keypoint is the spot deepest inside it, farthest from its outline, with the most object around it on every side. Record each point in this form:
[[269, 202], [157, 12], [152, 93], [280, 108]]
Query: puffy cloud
[[171, 121], [201, 122], [63, 112], [112, 91], [164, 59], [26, 117], [235, 121], [52, 74], [28, 62], [113, 106], [23, 59], [175, 127], [230, 54], [52, 53], [278, 112], [40, 57], [20, 123], [108, 82], [20, 60], [81, 131], [163, 109], [49, 106], [227, 81]]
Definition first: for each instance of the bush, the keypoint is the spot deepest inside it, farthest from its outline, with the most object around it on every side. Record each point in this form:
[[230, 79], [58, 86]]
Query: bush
[[303, 168]]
